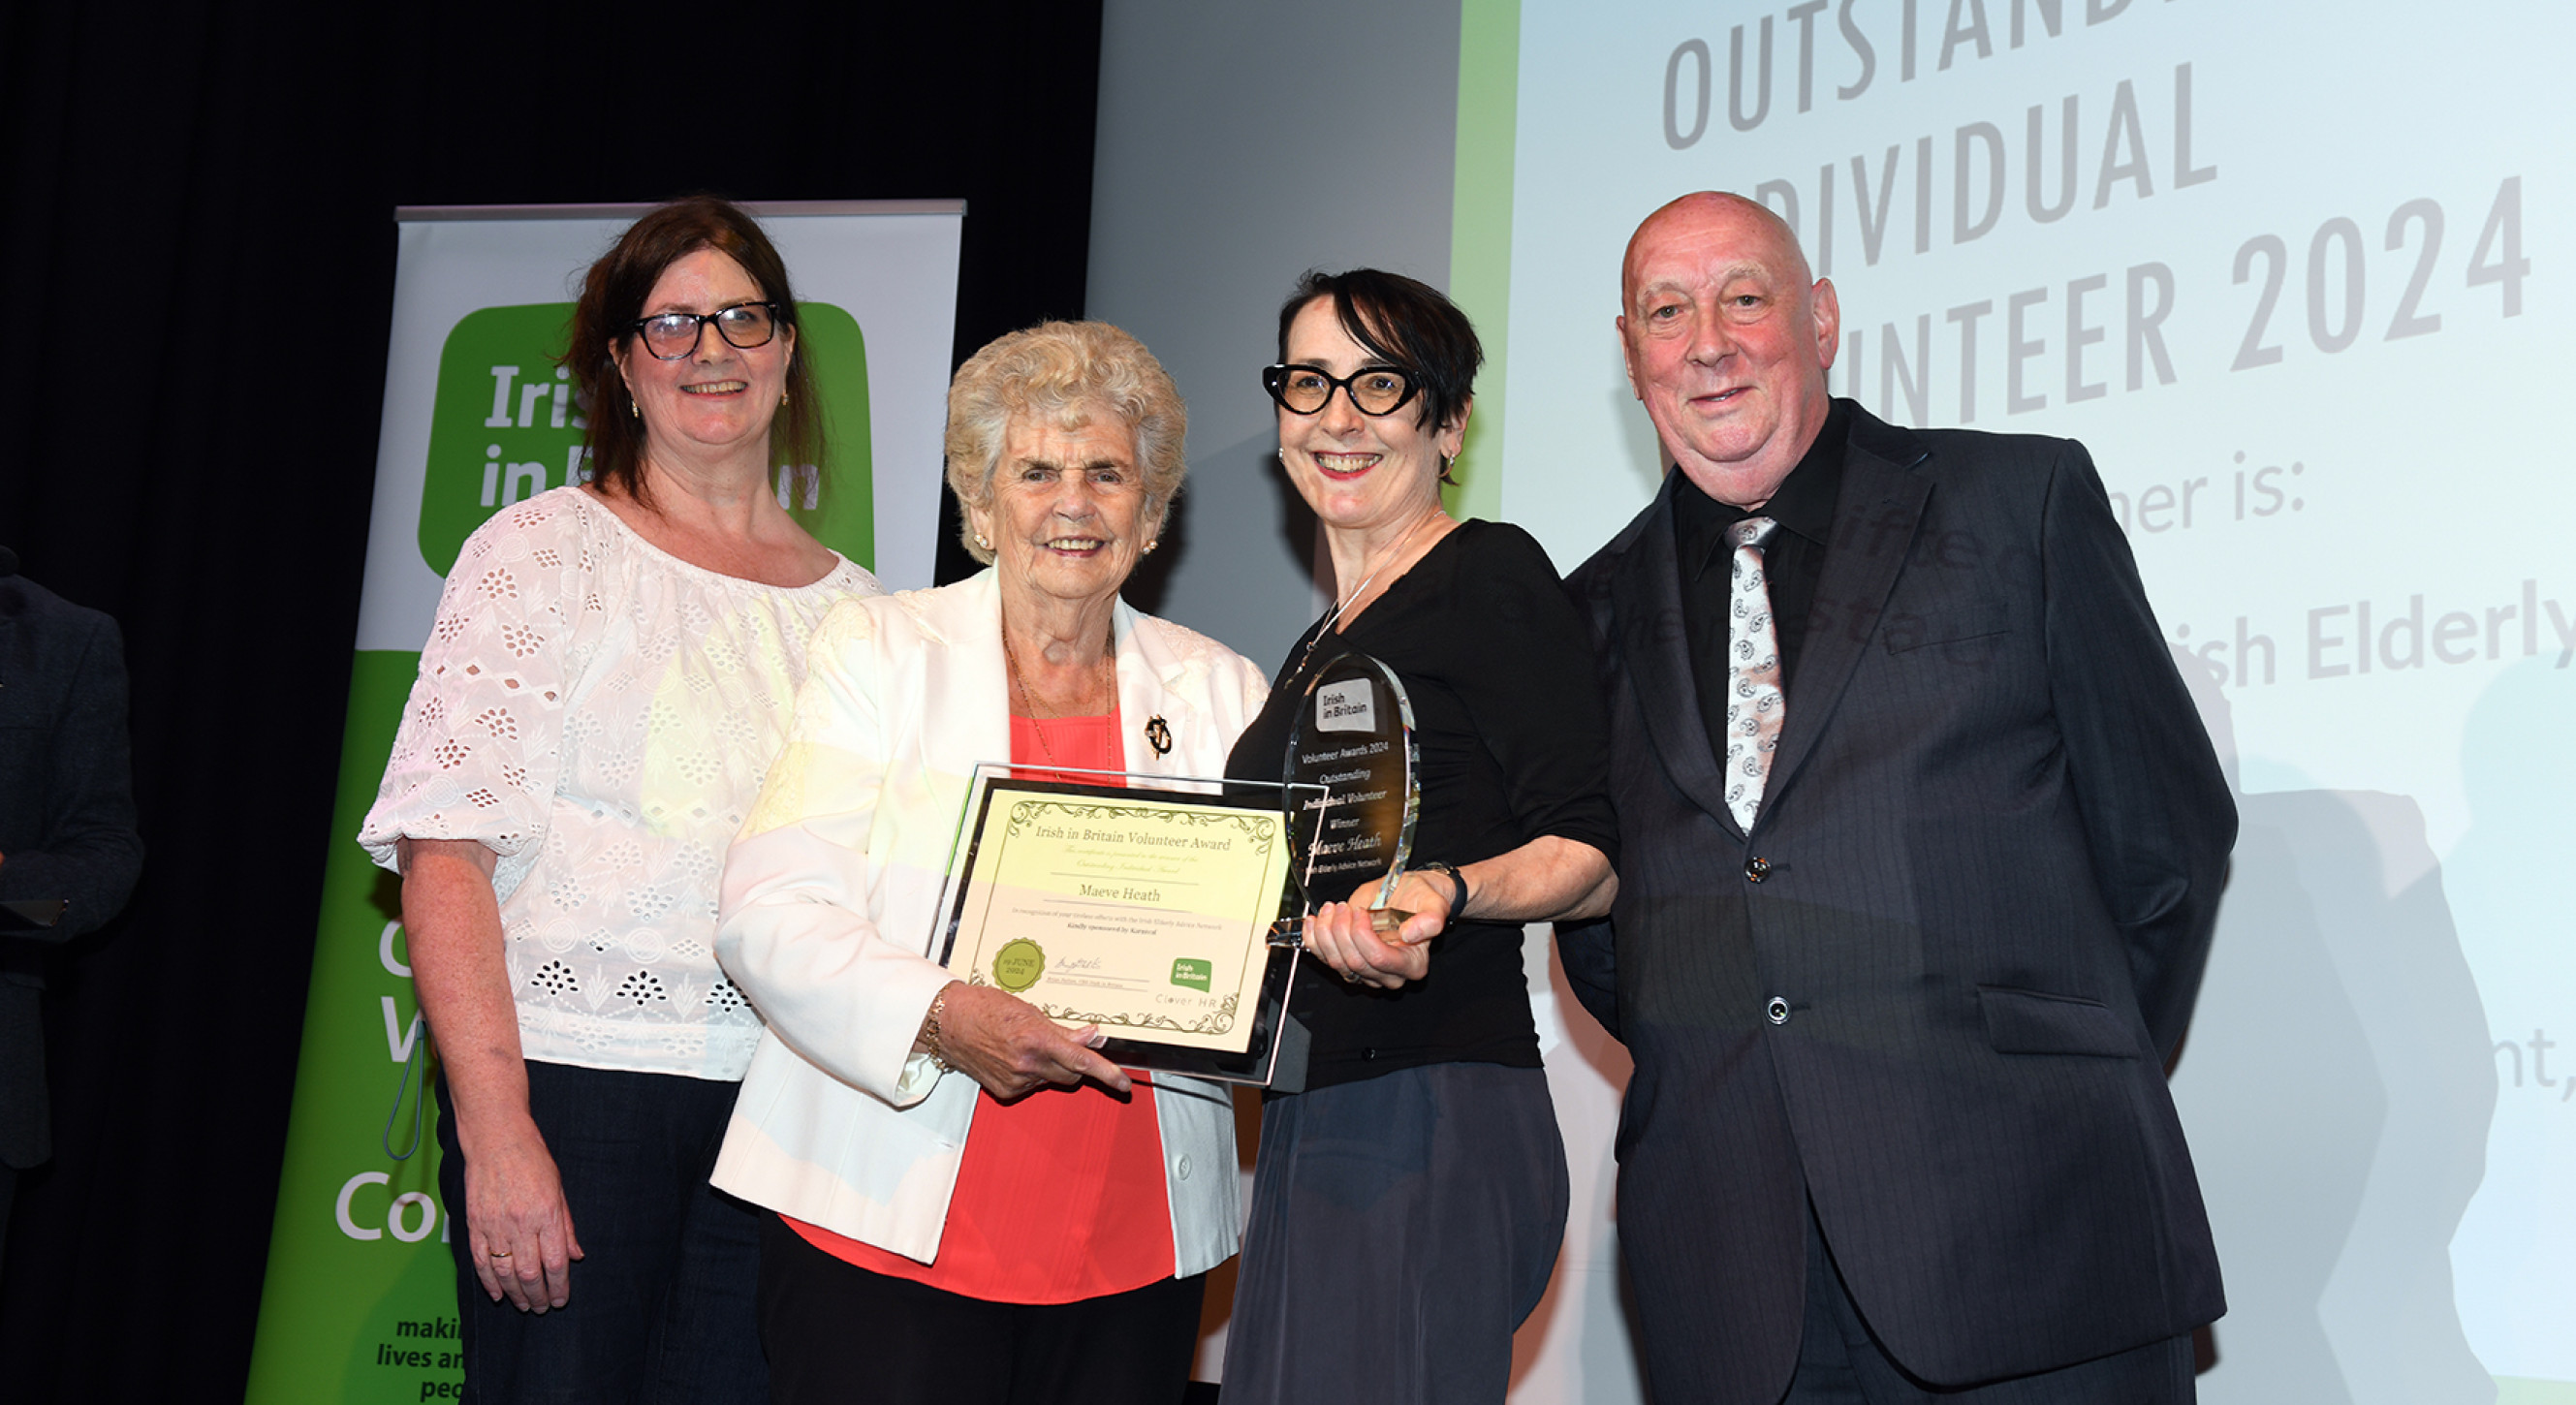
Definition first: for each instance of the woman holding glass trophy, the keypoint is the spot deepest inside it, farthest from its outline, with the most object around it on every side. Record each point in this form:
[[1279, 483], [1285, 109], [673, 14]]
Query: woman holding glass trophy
[[1409, 1202]]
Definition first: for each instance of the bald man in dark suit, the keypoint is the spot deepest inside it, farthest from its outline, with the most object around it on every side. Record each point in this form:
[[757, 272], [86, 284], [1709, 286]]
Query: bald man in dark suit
[[1922, 847]]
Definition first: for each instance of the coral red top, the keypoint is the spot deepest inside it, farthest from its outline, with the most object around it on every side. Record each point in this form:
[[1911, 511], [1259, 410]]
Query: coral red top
[[1061, 1194]]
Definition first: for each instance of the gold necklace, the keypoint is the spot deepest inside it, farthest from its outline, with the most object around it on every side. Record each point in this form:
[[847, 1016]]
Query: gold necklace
[[1029, 703]]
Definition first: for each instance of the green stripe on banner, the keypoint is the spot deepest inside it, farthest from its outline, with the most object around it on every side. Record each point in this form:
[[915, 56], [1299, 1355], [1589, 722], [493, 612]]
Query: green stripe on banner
[[1480, 230], [360, 1302]]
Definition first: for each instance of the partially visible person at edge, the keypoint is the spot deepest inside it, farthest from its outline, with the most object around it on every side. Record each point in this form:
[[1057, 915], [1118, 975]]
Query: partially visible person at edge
[[1924, 844], [67, 839], [1407, 1205], [609, 676], [974, 1206]]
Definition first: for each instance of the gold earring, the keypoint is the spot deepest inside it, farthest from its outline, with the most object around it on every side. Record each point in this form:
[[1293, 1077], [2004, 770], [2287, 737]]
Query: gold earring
[[782, 397], [631, 408], [1149, 546], [983, 542]]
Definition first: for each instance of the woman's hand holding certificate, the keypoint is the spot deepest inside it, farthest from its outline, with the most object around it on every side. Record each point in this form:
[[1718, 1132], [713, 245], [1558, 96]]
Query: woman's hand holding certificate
[[1005, 1044]]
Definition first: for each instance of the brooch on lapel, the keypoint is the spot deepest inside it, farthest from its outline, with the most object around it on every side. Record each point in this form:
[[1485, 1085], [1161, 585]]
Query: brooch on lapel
[[1158, 735]]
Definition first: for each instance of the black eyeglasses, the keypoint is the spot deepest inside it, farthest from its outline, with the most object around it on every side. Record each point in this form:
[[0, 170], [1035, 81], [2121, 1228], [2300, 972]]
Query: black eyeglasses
[[1305, 390], [673, 335]]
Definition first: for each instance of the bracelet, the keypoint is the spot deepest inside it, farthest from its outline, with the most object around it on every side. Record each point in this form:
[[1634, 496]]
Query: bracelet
[[1457, 881], [930, 1029]]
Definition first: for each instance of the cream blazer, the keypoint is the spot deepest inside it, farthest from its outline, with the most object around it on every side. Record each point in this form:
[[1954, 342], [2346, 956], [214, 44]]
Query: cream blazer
[[830, 897]]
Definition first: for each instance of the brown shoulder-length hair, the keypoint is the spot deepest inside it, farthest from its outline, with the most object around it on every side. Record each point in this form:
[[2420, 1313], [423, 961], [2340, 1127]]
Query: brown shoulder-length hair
[[612, 300]]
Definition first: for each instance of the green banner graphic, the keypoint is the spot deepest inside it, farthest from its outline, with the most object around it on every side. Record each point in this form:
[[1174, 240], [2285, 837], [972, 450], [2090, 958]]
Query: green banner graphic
[[360, 1301], [504, 426]]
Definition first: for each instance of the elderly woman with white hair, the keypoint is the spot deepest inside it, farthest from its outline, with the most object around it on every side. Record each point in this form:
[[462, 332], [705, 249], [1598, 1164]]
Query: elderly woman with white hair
[[972, 1204]]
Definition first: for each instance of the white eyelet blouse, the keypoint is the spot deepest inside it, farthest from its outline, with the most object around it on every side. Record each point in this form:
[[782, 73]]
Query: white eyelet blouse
[[601, 714]]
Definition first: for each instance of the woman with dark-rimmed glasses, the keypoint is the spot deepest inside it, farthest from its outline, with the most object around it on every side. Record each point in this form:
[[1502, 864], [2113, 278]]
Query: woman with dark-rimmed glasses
[[1408, 1205], [608, 680]]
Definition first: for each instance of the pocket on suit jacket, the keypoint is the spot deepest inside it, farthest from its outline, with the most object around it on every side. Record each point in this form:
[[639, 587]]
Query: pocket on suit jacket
[[1905, 630], [2036, 1022]]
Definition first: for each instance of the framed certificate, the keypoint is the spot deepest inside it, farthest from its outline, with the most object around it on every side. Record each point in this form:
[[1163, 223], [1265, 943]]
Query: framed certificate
[[1150, 911]]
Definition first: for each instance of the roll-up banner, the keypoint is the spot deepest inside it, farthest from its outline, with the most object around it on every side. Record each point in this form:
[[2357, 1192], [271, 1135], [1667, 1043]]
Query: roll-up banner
[[2291, 271], [360, 1300]]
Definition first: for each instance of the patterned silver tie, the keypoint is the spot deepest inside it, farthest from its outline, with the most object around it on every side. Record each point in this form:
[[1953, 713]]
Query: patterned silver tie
[[1753, 702]]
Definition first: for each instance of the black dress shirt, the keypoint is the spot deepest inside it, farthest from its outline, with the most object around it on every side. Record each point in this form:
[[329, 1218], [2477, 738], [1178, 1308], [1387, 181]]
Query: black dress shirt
[[1792, 563]]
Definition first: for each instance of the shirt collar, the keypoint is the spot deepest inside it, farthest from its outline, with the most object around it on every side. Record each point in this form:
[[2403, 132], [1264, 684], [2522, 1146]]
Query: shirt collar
[[1804, 502]]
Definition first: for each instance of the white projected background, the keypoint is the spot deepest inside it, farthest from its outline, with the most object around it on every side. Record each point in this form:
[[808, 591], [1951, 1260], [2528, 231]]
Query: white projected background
[[2292, 272]]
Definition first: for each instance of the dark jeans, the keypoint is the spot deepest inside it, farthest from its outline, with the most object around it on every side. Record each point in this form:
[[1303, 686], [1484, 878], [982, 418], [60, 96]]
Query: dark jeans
[[839, 1334], [1840, 1363], [662, 1304]]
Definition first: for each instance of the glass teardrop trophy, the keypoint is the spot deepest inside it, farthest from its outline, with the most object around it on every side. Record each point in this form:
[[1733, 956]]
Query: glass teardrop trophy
[[1354, 738]]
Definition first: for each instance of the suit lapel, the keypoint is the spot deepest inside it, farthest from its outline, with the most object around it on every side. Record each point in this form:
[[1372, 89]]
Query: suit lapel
[[1874, 523], [1153, 686], [1646, 600], [966, 719]]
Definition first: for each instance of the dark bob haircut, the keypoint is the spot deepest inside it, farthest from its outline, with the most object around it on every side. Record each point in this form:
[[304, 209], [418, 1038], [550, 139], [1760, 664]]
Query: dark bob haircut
[[612, 299], [1404, 322]]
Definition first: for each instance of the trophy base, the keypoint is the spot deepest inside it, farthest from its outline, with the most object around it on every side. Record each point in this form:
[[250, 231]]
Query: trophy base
[[1385, 921]]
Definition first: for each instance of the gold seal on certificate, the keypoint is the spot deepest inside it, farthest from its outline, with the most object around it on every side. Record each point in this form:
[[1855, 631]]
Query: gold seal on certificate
[[1146, 912], [1020, 963]]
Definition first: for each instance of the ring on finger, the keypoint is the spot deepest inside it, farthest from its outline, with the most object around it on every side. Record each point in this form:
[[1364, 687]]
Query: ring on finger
[[498, 1253]]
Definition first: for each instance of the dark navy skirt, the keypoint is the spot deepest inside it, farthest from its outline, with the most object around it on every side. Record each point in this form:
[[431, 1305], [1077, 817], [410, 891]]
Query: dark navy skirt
[[1402, 1228]]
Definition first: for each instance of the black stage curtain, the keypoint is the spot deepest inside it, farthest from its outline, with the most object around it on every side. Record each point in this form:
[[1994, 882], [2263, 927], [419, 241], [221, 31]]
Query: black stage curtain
[[199, 227]]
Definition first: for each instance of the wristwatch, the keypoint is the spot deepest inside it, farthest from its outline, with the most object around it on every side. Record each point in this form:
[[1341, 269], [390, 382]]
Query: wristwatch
[[1457, 881]]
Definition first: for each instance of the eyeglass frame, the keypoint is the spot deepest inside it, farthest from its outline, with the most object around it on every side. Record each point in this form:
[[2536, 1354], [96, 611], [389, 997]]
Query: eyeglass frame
[[698, 333], [1274, 379]]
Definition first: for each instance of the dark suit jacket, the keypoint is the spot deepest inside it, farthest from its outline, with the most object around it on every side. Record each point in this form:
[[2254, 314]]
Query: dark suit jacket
[[66, 818], [1934, 989]]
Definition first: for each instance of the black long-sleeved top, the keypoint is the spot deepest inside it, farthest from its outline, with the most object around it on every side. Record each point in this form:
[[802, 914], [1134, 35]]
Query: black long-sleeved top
[[1514, 746]]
